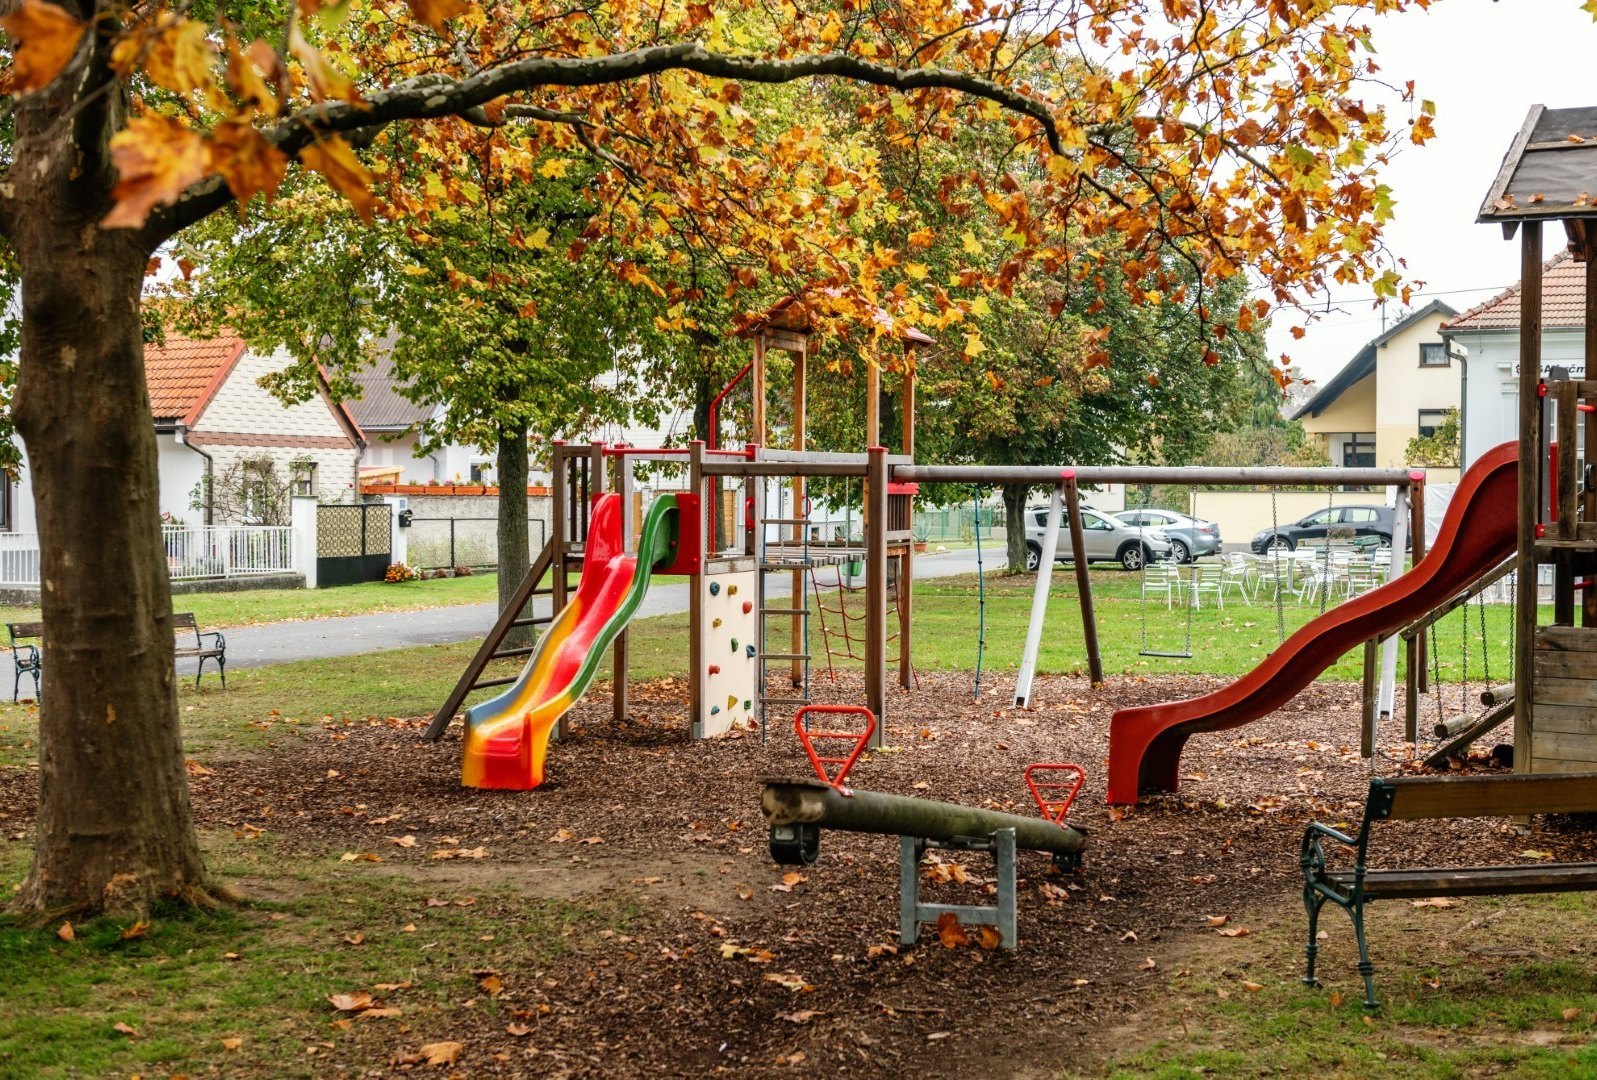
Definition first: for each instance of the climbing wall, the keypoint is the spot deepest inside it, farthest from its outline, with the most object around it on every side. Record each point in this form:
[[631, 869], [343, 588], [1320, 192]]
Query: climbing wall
[[731, 642]]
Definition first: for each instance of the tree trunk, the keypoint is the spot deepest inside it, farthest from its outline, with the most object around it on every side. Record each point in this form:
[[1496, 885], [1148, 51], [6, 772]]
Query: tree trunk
[[114, 829], [1015, 526], [514, 555]]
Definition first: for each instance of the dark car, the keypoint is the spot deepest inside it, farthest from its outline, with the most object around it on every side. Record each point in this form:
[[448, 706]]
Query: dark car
[[1338, 522]]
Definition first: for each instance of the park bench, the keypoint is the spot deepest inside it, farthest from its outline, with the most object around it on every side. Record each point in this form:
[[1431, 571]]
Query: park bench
[[1412, 798], [27, 653]]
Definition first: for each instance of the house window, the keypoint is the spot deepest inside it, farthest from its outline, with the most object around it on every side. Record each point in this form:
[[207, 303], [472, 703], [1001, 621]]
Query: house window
[[305, 478], [1430, 420], [1359, 451], [1433, 354], [482, 472], [6, 486]]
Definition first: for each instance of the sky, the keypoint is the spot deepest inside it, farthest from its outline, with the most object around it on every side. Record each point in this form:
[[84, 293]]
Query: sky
[[1484, 64]]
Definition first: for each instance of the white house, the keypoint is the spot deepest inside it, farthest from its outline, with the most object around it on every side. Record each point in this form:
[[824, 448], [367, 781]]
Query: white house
[[211, 413], [1486, 337]]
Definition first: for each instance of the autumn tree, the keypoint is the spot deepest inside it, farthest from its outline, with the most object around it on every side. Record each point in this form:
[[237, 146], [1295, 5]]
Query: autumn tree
[[1236, 136]]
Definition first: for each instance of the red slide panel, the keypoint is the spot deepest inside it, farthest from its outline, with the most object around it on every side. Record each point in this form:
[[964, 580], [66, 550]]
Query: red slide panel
[[1478, 533]]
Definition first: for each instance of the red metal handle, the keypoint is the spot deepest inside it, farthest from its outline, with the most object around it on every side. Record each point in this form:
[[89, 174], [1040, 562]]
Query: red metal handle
[[858, 738], [1055, 809]]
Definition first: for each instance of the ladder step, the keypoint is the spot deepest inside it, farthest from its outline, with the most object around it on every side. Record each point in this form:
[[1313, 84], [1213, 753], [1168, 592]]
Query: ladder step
[[506, 681], [523, 650], [784, 611], [784, 656], [790, 564]]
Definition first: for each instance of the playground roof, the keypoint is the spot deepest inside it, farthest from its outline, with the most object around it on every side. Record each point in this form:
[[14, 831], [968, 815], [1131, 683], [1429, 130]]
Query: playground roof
[[1363, 364], [1563, 300], [1550, 170], [183, 373]]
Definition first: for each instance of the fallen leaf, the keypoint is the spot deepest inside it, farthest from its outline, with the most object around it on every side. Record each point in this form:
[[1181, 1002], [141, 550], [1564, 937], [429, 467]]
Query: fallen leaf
[[1219, 920], [1572, 1014], [1147, 965], [881, 950], [356, 938], [1436, 902], [441, 1053], [1129, 935], [803, 1016], [1233, 931], [354, 1002], [232, 1042], [125, 1029], [1536, 854], [137, 930], [1252, 987], [65, 932], [989, 937], [561, 836], [949, 932], [518, 1030], [936, 1035], [787, 979], [1336, 999], [402, 841], [490, 984]]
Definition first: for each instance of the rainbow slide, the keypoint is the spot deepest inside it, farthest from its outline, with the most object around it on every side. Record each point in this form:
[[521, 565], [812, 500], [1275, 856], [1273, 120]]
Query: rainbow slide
[[507, 736], [1477, 533]]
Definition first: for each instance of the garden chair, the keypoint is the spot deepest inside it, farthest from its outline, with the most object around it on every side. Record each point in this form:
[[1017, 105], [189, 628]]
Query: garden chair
[[1208, 578], [1238, 574], [1161, 577]]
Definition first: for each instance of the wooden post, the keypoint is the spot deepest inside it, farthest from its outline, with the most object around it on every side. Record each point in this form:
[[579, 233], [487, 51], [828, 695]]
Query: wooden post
[[697, 689], [906, 391], [1565, 397], [873, 404], [1078, 545], [876, 589], [757, 387], [906, 607], [1411, 688], [1370, 701], [1530, 458]]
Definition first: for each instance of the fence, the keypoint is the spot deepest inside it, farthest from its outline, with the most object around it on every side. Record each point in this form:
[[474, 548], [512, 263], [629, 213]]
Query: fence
[[192, 552], [941, 524], [447, 542]]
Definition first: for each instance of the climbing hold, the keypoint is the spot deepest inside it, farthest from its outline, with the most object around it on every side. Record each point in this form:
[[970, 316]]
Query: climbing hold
[[748, 606], [714, 709], [731, 701], [715, 623], [715, 669], [734, 644], [748, 704], [731, 590], [715, 588], [747, 652]]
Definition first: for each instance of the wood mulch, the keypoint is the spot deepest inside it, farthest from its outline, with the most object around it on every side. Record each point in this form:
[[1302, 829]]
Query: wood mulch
[[732, 964]]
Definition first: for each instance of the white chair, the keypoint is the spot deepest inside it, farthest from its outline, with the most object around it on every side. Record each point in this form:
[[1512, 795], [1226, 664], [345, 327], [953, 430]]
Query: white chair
[[1208, 578], [1161, 577], [1237, 574]]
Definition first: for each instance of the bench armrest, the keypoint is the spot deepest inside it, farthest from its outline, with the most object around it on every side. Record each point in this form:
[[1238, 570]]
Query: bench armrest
[[221, 642], [25, 655], [1312, 857]]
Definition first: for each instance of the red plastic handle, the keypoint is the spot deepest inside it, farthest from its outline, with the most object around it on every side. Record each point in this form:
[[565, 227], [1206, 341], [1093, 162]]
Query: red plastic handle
[[807, 739], [1055, 809]]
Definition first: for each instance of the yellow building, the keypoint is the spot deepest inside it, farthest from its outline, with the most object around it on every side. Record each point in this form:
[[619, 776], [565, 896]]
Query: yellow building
[[1399, 386]]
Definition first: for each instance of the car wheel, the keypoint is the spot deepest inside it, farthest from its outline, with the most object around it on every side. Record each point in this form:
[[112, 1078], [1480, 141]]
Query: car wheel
[[1033, 556], [1280, 543], [1180, 552], [1132, 556]]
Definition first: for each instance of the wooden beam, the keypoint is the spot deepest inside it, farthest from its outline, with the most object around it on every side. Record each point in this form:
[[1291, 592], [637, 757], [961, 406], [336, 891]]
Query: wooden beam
[[906, 391], [1532, 448], [873, 404], [757, 388], [1078, 545]]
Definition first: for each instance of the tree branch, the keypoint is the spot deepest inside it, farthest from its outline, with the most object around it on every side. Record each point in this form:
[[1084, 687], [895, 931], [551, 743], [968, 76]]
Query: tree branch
[[427, 97]]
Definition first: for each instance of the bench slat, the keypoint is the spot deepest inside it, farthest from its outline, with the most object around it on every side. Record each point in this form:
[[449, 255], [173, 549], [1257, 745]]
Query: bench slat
[[1471, 880], [1419, 797]]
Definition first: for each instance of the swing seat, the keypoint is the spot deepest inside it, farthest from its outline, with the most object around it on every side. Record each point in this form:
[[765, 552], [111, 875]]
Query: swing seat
[[1166, 655]]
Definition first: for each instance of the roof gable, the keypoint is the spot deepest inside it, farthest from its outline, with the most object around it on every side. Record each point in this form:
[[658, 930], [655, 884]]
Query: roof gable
[[1363, 364], [1563, 300], [183, 373]]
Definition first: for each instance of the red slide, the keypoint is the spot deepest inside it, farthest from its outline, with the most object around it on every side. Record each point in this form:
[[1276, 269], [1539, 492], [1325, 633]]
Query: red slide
[[1477, 533]]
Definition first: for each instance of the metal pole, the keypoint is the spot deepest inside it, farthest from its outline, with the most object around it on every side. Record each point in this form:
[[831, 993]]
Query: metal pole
[[1388, 690], [1078, 543], [1274, 475], [1039, 596], [875, 591]]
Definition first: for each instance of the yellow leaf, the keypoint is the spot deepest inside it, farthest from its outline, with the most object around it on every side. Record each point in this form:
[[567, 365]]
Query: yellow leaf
[[244, 71], [442, 1053], [43, 39], [538, 240], [332, 157], [969, 242], [232, 1042], [179, 57], [974, 348], [247, 161], [435, 12], [554, 168], [157, 157], [326, 81]]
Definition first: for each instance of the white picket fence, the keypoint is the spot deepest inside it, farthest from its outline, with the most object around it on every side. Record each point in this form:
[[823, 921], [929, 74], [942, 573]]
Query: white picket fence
[[193, 552]]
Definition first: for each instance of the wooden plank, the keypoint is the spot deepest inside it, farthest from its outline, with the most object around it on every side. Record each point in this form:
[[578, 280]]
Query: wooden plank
[[1550, 768], [1530, 438], [1368, 704], [1570, 718], [1566, 746], [1567, 665], [1425, 797], [1564, 396], [1566, 692], [1567, 638], [1380, 884]]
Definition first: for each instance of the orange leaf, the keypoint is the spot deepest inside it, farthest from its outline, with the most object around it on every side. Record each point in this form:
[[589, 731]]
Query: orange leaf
[[355, 1002], [65, 932], [137, 930], [326, 81], [332, 157], [442, 1053], [949, 932], [43, 39], [435, 12], [247, 161], [989, 937], [157, 158], [180, 58]]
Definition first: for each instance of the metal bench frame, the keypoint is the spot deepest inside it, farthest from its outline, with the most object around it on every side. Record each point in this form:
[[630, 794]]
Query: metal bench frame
[[216, 652], [1423, 797], [26, 658]]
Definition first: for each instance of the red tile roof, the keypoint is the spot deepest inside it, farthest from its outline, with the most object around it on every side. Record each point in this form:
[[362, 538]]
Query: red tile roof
[[1563, 300], [183, 373]]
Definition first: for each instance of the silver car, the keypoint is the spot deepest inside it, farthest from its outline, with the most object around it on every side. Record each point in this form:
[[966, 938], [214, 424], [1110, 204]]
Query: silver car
[[1105, 539], [1190, 537]]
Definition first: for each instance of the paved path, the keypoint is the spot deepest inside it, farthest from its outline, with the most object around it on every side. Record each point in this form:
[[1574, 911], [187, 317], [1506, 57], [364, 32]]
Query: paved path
[[353, 635]]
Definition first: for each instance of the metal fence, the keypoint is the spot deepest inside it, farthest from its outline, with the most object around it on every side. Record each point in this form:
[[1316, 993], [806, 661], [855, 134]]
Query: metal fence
[[192, 552], [445, 543], [941, 524]]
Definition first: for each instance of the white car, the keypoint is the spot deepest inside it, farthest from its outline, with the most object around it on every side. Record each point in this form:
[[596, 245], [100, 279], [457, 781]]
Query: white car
[[1105, 539]]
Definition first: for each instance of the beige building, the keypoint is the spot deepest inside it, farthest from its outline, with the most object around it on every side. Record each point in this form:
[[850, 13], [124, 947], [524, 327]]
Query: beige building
[[1399, 386]]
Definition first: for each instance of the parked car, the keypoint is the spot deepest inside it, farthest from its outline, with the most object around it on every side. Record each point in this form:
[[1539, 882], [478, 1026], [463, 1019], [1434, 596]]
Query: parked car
[[1190, 537], [1350, 521], [1105, 539]]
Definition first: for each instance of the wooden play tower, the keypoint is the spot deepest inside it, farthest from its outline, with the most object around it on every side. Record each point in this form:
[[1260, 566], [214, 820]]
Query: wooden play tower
[[1549, 176]]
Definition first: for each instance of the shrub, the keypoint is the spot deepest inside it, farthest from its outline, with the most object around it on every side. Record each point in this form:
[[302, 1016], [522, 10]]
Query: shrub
[[398, 572]]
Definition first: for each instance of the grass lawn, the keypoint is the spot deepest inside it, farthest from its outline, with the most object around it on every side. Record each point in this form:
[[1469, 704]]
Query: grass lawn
[[219, 610]]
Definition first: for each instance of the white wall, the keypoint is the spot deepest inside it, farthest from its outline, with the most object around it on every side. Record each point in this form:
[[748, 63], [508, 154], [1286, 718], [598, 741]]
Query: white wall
[[181, 468], [401, 452], [1491, 381], [23, 517]]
